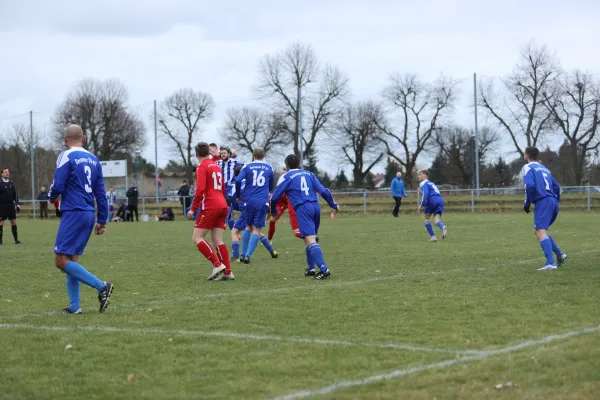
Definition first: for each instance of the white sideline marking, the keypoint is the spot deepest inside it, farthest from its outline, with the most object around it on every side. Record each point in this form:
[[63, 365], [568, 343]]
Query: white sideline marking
[[288, 289], [234, 335], [443, 364]]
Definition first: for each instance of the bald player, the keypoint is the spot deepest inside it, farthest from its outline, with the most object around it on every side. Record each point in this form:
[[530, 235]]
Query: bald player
[[78, 181]]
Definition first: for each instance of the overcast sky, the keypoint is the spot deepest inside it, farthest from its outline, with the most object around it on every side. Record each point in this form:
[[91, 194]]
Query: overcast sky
[[156, 47]]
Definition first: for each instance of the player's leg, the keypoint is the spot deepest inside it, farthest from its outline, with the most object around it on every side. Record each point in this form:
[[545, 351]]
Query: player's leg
[[428, 226], [235, 244], [73, 234], [73, 291], [204, 223], [310, 219], [216, 235], [273, 225], [256, 217], [135, 209], [438, 221], [265, 241], [543, 216], [294, 223]]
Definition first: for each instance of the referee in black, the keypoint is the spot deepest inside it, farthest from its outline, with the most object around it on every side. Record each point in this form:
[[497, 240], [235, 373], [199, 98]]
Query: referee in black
[[9, 204]]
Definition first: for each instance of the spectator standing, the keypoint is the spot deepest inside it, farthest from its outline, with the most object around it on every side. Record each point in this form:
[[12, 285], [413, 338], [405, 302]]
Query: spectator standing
[[132, 201], [184, 196], [398, 192], [43, 200]]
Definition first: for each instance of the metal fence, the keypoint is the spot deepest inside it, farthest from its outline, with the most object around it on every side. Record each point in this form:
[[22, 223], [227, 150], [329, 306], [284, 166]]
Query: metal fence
[[355, 201]]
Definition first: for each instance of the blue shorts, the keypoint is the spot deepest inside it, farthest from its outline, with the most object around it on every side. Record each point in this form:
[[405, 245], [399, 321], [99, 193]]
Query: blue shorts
[[74, 231], [309, 218], [434, 208], [111, 208], [256, 214], [545, 212]]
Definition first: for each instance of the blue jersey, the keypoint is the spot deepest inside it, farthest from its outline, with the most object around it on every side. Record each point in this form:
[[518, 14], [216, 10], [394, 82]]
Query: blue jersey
[[78, 180], [228, 175], [539, 183], [431, 194], [301, 186], [234, 204], [259, 179]]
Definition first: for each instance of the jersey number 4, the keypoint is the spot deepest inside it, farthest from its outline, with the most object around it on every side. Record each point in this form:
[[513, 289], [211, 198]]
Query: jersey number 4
[[88, 174], [304, 186], [218, 181]]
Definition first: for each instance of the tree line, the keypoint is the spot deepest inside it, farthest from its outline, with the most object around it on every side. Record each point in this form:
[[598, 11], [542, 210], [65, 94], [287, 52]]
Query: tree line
[[303, 100]]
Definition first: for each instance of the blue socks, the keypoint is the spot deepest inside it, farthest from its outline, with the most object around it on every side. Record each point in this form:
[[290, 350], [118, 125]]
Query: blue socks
[[546, 245], [440, 225], [309, 260], [555, 247], [252, 245], [73, 292], [317, 256], [82, 275], [245, 241], [235, 248], [429, 228], [265, 241]]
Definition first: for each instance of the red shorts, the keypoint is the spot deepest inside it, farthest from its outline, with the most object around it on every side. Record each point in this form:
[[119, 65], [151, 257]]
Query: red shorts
[[210, 219]]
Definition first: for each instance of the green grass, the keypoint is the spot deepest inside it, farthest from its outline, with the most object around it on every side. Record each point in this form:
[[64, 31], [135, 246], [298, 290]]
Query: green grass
[[479, 290]]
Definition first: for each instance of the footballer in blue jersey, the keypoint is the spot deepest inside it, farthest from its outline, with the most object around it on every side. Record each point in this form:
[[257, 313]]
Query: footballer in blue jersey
[[239, 227], [432, 203], [259, 181], [228, 166], [79, 182], [301, 188], [542, 190]]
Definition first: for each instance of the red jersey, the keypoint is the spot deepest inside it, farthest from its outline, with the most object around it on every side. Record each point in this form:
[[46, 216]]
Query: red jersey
[[210, 190]]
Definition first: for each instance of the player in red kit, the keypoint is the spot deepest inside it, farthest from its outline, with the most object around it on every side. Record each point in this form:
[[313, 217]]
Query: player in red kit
[[210, 199]]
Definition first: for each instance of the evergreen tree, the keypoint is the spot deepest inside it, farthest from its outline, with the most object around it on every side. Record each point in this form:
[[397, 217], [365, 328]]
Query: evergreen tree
[[341, 181]]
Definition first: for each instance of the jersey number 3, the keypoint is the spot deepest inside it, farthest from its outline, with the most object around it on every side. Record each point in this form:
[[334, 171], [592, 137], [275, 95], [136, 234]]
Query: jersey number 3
[[88, 174]]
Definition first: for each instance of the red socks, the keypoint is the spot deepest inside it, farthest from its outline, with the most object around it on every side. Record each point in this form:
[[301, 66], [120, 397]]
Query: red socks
[[272, 226], [223, 255], [206, 250]]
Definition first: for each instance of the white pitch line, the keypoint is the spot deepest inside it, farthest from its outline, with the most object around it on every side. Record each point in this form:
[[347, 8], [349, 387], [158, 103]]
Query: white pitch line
[[319, 285], [234, 335], [403, 372]]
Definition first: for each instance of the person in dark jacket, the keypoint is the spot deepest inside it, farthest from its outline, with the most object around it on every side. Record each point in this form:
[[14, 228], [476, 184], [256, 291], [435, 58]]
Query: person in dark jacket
[[43, 200], [398, 192], [184, 195], [132, 201], [9, 204]]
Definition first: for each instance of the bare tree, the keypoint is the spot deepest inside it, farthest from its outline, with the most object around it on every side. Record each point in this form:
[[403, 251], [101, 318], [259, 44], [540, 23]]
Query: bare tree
[[281, 77], [420, 107], [100, 108], [249, 128], [518, 107], [574, 109], [456, 144], [356, 134], [180, 120]]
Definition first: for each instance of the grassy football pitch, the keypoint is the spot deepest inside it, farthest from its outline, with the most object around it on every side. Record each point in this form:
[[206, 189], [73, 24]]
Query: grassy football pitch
[[400, 317]]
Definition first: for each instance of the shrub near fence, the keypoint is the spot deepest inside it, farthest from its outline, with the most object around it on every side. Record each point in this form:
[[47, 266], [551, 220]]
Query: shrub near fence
[[580, 198]]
